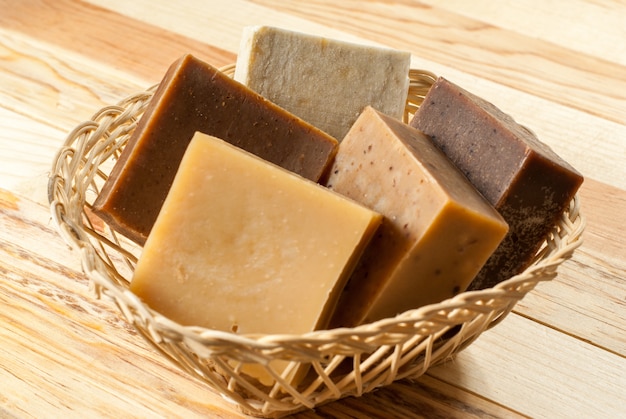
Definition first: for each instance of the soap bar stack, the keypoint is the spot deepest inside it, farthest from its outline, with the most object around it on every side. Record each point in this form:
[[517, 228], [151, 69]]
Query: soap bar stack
[[293, 198]]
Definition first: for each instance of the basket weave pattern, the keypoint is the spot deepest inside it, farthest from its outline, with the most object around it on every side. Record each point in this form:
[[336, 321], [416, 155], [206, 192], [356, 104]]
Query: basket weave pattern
[[340, 362]]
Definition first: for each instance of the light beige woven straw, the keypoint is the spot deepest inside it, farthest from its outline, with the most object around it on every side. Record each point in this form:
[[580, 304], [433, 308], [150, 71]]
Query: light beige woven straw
[[340, 362]]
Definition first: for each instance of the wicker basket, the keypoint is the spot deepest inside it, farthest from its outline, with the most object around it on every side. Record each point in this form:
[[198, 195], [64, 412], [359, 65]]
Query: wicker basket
[[340, 362]]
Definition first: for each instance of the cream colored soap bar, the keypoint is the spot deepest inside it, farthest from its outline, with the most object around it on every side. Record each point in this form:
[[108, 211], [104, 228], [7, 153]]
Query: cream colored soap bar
[[437, 231], [245, 246], [325, 82]]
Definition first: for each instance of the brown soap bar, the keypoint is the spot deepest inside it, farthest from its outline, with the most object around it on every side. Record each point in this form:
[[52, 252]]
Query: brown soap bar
[[525, 180], [194, 96]]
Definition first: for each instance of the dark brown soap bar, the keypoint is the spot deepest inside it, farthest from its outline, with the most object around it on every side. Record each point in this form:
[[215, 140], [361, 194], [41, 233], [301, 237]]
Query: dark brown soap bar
[[194, 96], [523, 178]]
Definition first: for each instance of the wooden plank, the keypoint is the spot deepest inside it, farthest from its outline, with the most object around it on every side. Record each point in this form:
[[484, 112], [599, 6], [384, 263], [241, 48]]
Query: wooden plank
[[586, 299], [226, 22], [54, 86], [26, 147], [540, 372], [574, 27], [143, 50]]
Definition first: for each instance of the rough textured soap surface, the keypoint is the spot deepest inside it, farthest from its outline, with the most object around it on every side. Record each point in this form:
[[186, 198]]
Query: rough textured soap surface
[[525, 180], [324, 81], [437, 230], [194, 96], [243, 245]]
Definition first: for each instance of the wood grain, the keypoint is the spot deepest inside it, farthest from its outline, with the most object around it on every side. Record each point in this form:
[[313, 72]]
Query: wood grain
[[560, 71], [26, 157], [106, 36], [545, 367], [587, 298], [573, 27]]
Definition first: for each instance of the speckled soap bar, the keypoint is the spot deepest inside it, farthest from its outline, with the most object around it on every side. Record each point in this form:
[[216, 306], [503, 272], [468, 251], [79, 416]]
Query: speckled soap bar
[[525, 180], [437, 230], [324, 81]]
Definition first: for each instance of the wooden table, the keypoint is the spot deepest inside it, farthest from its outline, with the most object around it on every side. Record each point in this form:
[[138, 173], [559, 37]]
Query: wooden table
[[559, 69]]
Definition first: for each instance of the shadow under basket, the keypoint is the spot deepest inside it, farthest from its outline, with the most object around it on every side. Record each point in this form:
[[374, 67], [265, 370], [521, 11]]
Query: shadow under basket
[[338, 363]]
